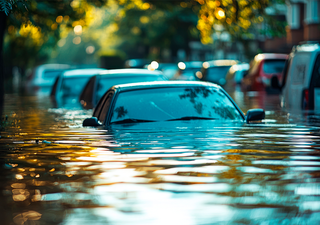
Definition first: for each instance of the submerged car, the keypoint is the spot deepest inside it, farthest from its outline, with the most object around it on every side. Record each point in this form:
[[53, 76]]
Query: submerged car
[[68, 86], [187, 70], [168, 69], [41, 80], [300, 85], [168, 101], [215, 71], [262, 68], [100, 83]]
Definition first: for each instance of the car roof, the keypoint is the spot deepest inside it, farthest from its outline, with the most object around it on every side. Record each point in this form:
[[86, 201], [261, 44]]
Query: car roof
[[220, 62], [82, 72], [193, 64], [131, 72], [164, 84], [263, 56], [307, 47]]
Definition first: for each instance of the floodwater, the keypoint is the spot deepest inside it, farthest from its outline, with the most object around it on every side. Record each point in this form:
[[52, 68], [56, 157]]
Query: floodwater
[[54, 171]]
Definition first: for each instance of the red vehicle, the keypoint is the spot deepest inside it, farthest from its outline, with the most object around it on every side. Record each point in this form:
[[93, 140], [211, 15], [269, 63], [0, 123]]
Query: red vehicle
[[262, 68]]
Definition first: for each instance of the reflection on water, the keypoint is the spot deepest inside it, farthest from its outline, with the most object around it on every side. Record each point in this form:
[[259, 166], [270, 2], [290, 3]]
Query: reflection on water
[[56, 172]]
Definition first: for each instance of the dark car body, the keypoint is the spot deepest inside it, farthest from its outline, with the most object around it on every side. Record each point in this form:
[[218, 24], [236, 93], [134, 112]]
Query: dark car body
[[100, 83], [262, 68], [167, 101], [69, 84], [215, 71]]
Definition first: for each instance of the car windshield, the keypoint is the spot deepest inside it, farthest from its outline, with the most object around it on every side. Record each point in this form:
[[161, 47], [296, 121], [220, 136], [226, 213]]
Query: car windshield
[[72, 86], [51, 73], [107, 82], [163, 104], [190, 72], [273, 66], [217, 72]]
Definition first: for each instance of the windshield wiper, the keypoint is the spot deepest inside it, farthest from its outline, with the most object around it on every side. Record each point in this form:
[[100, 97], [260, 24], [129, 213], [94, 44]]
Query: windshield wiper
[[192, 118], [130, 120]]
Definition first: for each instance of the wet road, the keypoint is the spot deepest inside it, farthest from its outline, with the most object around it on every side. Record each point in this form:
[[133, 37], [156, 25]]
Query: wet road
[[56, 172]]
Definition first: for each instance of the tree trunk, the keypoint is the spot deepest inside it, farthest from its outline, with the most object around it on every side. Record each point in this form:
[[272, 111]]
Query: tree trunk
[[3, 19]]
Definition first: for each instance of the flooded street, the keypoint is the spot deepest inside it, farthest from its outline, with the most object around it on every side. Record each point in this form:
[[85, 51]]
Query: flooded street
[[54, 171]]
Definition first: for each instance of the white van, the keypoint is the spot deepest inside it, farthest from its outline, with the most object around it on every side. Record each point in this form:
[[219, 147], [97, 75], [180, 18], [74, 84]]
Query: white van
[[301, 81]]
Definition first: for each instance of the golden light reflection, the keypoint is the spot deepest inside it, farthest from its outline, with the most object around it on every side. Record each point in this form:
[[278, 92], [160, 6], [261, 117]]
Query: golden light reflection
[[22, 218], [18, 185], [145, 6], [75, 4], [77, 30], [20, 195], [37, 196], [90, 49], [144, 19], [62, 42], [76, 40], [135, 30], [59, 19], [19, 177], [219, 13]]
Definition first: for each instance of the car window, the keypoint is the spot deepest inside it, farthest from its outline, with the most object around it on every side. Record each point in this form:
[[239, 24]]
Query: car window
[[51, 73], [163, 104], [73, 86], [54, 87], [105, 107], [273, 66], [107, 82], [217, 72], [315, 80], [189, 72], [87, 92], [299, 68], [285, 72]]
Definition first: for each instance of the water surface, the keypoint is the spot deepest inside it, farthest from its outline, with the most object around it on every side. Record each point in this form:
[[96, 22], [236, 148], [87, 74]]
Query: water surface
[[54, 171]]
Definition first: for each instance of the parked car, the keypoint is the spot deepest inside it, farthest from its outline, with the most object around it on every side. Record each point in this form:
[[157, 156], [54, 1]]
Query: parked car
[[136, 63], [235, 75], [168, 101], [69, 85], [168, 69], [43, 77], [215, 71], [187, 70], [100, 83], [262, 68], [300, 85]]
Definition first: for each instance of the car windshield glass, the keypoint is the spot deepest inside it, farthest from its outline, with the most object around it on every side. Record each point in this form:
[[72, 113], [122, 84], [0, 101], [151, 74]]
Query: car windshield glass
[[217, 72], [51, 73], [164, 104], [107, 82], [72, 86], [273, 66], [190, 72]]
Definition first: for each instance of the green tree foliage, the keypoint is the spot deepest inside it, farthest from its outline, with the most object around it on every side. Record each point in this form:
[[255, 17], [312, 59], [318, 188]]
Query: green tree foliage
[[34, 27], [157, 25], [241, 18]]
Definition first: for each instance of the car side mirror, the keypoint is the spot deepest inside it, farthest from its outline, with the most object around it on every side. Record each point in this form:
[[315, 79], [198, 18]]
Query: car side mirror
[[91, 122], [255, 115], [275, 83]]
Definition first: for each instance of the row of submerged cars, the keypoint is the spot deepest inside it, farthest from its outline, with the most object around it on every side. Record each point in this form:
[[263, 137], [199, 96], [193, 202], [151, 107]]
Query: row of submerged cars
[[141, 96], [137, 95]]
